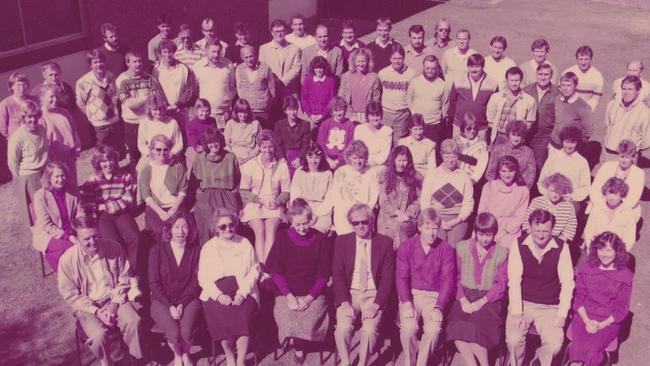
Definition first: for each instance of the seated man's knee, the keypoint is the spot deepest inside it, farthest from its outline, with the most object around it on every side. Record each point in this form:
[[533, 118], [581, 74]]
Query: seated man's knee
[[432, 328], [514, 339], [97, 336], [369, 327], [408, 327]]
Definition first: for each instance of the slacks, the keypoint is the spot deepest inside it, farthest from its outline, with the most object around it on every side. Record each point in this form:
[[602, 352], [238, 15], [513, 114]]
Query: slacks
[[128, 322], [369, 332], [424, 303], [123, 229], [183, 329], [131, 141], [542, 317], [111, 135]]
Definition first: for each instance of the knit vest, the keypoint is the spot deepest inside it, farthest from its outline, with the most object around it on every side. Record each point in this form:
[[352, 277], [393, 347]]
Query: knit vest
[[467, 275], [540, 282], [257, 93]]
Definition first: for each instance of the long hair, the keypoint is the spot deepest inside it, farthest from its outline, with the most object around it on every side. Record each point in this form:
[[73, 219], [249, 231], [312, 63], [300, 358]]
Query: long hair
[[411, 177], [192, 234], [600, 241]]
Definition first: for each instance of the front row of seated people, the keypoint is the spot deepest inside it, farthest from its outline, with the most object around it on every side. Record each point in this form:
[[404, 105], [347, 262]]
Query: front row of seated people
[[461, 288]]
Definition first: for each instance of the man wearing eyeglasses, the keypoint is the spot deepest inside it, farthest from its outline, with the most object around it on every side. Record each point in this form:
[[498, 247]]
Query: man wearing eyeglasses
[[363, 274], [441, 37], [187, 52], [425, 280]]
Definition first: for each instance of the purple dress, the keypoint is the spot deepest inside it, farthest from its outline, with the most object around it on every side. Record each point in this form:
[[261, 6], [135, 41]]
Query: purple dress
[[603, 294]]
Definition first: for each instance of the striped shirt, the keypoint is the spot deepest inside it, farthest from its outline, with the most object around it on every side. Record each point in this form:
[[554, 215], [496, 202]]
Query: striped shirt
[[113, 195], [565, 217]]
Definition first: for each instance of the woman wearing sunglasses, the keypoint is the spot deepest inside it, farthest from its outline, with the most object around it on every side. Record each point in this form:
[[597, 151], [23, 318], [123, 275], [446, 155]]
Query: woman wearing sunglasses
[[228, 273], [163, 185]]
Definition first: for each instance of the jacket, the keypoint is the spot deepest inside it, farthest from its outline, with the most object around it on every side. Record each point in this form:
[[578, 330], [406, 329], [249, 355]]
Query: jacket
[[48, 219]]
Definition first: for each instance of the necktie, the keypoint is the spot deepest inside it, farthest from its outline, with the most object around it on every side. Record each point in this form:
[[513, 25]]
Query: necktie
[[363, 266]]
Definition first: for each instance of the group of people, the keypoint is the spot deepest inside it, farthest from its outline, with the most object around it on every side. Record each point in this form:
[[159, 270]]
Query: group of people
[[418, 184]]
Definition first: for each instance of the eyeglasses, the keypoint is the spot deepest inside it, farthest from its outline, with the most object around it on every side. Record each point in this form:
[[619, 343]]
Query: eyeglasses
[[444, 30], [226, 226], [362, 222], [159, 149]]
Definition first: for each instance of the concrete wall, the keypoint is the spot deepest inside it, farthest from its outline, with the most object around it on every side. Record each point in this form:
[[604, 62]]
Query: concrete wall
[[284, 9]]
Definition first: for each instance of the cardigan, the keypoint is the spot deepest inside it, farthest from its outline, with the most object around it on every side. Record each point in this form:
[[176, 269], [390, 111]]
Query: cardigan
[[178, 83], [253, 176], [171, 283], [48, 219], [545, 116], [175, 181], [260, 91]]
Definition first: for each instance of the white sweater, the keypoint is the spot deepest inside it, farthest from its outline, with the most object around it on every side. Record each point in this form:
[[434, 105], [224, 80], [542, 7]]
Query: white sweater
[[574, 167], [378, 142]]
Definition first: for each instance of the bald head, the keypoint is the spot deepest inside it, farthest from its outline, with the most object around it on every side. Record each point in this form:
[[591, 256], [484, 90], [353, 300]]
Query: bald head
[[248, 54], [322, 36], [635, 68]]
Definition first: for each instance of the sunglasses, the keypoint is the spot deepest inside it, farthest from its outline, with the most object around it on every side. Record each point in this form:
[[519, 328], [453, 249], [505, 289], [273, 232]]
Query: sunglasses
[[362, 222], [226, 226], [158, 149], [444, 29]]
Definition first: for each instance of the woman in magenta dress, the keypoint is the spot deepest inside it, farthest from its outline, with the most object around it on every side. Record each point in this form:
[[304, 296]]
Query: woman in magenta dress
[[602, 299]]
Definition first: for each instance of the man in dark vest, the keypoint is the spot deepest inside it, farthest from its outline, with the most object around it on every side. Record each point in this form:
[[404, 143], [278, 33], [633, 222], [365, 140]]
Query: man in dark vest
[[540, 281]]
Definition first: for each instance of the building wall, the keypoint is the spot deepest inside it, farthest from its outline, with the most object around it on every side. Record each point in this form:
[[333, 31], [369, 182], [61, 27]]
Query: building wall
[[284, 9]]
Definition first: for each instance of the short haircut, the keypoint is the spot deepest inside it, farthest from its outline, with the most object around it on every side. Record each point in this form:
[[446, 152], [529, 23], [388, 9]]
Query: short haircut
[[429, 215], [415, 120], [500, 39], [570, 133], [290, 102], [17, 77], [184, 28], [210, 136], [320, 62], [357, 148], [374, 108], [469, 35], [517, 128], [450, 146], [316, 150], [545, 65], [338, 104], [94, 55], [192, 233], [476, 60], [279, 23], [416, 28], [541, 216], [627, 147], [348, 24], [155, 102], [540, 43], [585, 50], [569, 76], [385, 21], [202, 103], [364, 52], [268, 136], [163, 19], [107, 27], [85, 222], [486, 223], [161, 139], [241, 28], [104, 152], [431, 58], [242, 106], [615, 185], [133, 54], [358, 207], [299, 207], [46, 176], [631, 79], [469, 119], [397, 48], [50, 65], [54, 89], [559, 182], [297, 16], [615, 242], [515, 70], [31, 108], [435, 27], [219, 213], [207, 23], [167, 44]]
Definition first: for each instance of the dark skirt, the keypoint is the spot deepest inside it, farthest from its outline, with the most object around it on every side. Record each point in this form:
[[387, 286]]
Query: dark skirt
[[228, 321], [484, 327], [309, 325]]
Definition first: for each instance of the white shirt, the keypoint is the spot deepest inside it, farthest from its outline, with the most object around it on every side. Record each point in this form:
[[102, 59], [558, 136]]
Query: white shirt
[[454, 63], [423, 151], [98, 288], [216, 84], [302, 42], [497, 69], [356, 273], [158, 187], [590, 85], [377, 141], [574, 167]]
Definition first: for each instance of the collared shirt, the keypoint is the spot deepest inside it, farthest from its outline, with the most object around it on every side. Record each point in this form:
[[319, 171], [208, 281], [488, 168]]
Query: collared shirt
[[354, 46], [216, 84], [475, 85], [98, 287], [572, 99], [414, 59], [362, 245], [516, 270], [505, 107]]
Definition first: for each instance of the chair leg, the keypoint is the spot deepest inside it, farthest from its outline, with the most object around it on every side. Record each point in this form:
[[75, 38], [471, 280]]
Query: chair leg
[[76, 341]]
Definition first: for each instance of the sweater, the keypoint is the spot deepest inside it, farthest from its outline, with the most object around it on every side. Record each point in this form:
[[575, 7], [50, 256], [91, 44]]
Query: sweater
[[133, 93], [333, 55], [545, 116], [222, 174], [631, 122], [27, 152], [565, 217], [454, 63], [590, 85], [620, 221], [530, 72], [497, 69], [97, 99], [394, 86], [423, 152], [149, 128], [574, 167], [574, 112], [175, 181], [61, 134], [378, 141], [603, 293], [428, 98], [334, 137], [450, 193], [313, 188], [371, 94], [461, 99], [115, 61], [65, 99], [490, 275], [10, 114], [316, 95], [524, 156], [257, 87], [171, 283], [216, 84], [634, 178], [508, 204], [381, 55]]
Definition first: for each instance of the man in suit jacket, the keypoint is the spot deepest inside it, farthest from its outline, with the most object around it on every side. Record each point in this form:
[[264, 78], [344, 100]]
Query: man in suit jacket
[[283, 58], [332, 54], [544, 94], [363, 275]]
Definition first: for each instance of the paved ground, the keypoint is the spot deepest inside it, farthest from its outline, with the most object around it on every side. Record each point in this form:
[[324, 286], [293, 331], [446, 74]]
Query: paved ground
[[36, 327]]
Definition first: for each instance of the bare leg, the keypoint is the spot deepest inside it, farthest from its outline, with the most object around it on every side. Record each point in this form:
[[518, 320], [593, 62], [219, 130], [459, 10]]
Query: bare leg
[[259, 230], [466, 352], [228, 346], [242, 350], [481, 354], [177, 349]]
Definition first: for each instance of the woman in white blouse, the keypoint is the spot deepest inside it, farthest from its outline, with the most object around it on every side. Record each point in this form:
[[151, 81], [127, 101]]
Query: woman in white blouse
[[228, 273]]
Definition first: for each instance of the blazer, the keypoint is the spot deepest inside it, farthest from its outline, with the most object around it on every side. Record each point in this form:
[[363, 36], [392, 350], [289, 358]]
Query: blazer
[[382, 263], [334, 58], [285, 63], [48, 219]]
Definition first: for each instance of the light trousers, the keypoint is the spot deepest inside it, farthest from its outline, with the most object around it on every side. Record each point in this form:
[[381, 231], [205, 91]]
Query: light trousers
[[424, 304], [542, 316], [369, 332]]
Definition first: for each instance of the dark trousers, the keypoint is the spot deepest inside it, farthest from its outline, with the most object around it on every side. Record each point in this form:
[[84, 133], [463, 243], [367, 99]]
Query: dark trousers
[[112, 135], [436, 133], [123, 229], [153, 223], [131, 140], [183, 329]]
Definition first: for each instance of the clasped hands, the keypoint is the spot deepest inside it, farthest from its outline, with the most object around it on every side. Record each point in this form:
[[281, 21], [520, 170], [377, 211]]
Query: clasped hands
[[408, 312], [227, 300], [301, 303]]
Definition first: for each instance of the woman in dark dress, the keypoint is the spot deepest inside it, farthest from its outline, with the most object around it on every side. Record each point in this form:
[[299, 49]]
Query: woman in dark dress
[[475, 322], [173, 267], [299, 264], [228, 274]]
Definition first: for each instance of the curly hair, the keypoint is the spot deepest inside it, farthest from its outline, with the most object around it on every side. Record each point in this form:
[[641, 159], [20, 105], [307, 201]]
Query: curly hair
[[602, 240], [561, 183], [104, 152], [410, 176], [212, 135], [358, 148], [615, 185], [156, 102], [192, 234]]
